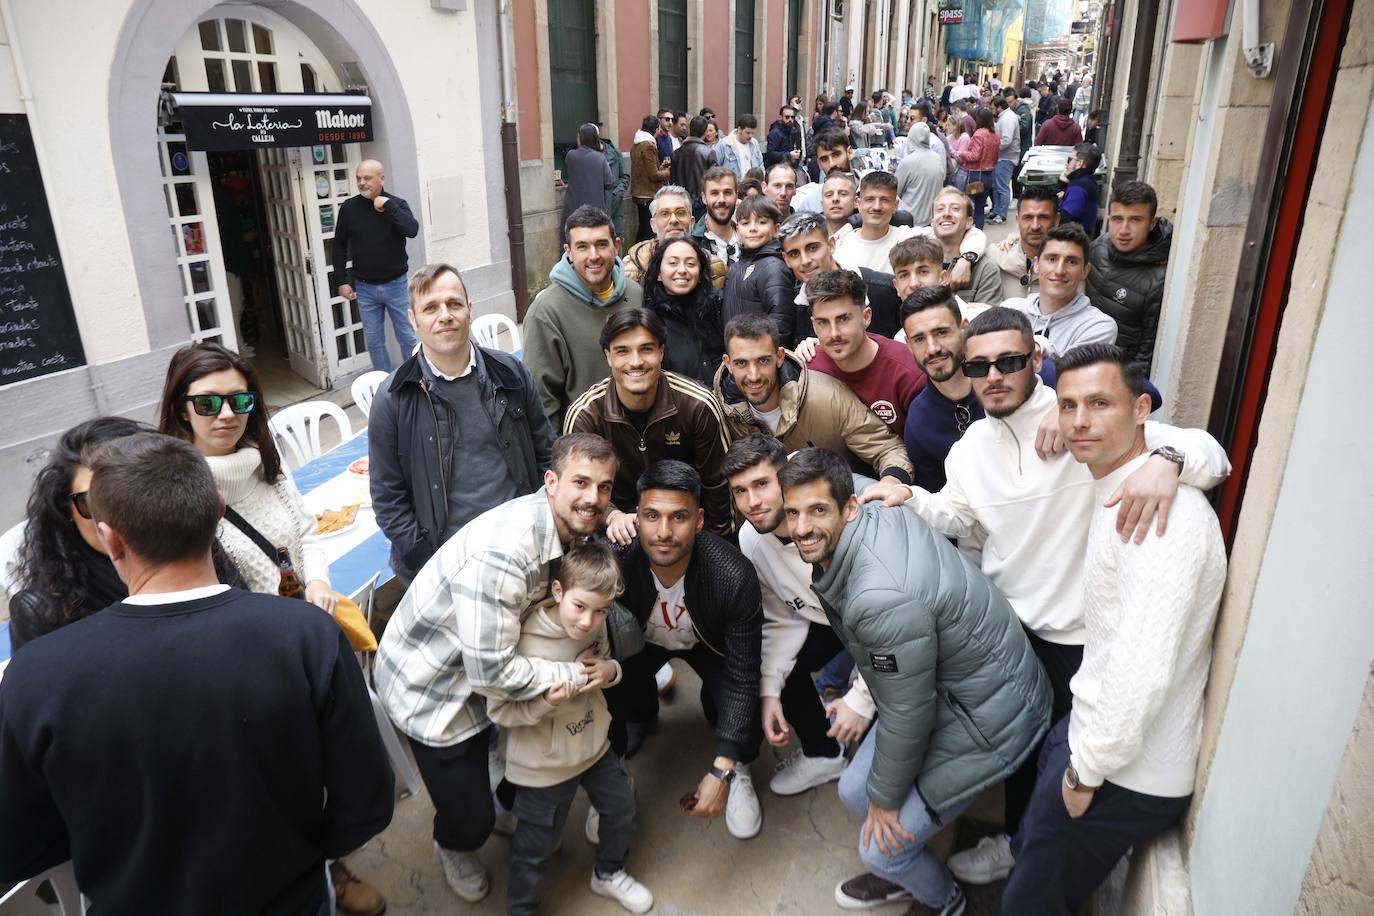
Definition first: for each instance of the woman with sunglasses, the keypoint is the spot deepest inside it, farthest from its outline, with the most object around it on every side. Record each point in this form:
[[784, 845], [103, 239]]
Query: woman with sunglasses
[[213, 400], [62, 572]]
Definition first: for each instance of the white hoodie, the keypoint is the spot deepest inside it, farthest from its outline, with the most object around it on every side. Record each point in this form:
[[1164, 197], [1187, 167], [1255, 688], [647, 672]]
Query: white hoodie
[[1034, 514]]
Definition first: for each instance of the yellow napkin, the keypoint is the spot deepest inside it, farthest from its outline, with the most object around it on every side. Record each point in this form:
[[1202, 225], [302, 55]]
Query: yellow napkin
[[351, 620]]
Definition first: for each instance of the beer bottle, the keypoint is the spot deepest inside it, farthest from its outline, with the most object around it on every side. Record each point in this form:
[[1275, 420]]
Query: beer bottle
[[291, 586]]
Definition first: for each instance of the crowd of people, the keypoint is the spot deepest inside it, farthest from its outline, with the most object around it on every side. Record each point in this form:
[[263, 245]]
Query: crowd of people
[[891, 491]]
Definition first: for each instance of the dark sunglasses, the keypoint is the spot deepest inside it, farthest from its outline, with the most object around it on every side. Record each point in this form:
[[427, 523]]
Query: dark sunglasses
[[83, 508], [209, 405], [979, 368]]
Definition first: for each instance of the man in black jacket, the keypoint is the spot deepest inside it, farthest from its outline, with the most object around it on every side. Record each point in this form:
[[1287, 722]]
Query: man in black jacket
[[452, 412], [690, 161], [809, 249], [1129, 262], [371, 230], [784, 139], [698, 599], [193, 748]]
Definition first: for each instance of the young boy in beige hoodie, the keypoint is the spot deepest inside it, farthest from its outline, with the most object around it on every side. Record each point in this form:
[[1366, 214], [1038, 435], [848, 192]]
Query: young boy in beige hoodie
[[559, 740]]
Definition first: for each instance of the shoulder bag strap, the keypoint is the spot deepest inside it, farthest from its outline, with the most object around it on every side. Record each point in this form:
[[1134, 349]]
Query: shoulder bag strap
[[254, 535]]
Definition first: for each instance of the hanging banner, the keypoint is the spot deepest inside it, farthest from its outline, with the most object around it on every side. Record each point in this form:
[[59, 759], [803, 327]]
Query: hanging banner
[[218, 121], [951, 12]]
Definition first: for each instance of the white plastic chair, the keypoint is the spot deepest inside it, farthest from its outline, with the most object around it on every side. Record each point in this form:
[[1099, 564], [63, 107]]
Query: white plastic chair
[[395, 750], [298, 427], [10, 542], [486, 330], [365, 388], [23, 899]]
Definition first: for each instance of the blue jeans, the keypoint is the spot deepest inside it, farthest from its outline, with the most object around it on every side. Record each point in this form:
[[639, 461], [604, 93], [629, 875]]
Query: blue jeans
[[375, 302], [912, 866], [980, 201], [1001, 187]]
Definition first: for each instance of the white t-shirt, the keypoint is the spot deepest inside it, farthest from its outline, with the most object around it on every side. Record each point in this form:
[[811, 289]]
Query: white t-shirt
[[769, 417], [854, 251], [745, 151], [669, 625]]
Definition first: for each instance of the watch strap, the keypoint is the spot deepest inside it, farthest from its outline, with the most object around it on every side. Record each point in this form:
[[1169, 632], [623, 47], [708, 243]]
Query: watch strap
[[725, 776]]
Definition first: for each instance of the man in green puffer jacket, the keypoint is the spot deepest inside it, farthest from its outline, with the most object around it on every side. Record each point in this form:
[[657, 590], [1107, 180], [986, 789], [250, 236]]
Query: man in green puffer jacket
[[961, 697], [563, 326]]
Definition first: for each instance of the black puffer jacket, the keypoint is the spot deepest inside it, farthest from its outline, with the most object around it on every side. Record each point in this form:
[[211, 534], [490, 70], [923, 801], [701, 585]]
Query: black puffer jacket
[[760, 281], [723, 596], [696, 333], [1130, 288]]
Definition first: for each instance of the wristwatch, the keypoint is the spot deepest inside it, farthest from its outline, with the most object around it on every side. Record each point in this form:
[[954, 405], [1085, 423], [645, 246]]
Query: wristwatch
[[1071, 778], [725, 776], [970, 256], [1169, 453]]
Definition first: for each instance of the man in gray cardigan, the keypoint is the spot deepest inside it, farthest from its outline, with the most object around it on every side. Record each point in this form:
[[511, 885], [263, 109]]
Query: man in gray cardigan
[[961, 698]]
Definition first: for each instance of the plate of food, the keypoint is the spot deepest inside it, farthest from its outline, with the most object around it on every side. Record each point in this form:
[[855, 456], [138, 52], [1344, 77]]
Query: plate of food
[[359, 466], [336, 521]]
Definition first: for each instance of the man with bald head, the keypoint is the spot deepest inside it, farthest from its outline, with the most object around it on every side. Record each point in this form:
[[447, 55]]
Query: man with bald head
[[371, 231]]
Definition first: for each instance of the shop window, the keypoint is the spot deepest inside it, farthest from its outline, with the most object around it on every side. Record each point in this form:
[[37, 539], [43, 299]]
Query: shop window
[[200, 277], [206, 319], [267, 76], [214, 75], [308, 83], [243, 76], [169, 73], [209, 36], [262, 39], [238, 37], [186, 200]]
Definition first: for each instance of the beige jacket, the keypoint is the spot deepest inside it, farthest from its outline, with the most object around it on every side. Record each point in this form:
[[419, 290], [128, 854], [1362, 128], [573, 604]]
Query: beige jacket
[[545, 744], [819, 410]]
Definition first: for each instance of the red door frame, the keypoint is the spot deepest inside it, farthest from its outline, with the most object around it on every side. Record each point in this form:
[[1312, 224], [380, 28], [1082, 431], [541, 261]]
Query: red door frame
[[1288, 163]]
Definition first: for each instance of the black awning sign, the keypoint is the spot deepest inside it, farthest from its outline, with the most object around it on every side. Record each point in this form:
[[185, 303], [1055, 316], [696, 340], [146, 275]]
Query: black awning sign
[[216, 121]]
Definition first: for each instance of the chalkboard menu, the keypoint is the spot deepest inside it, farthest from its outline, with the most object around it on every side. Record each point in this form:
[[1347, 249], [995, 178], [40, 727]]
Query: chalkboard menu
[[38, 333]]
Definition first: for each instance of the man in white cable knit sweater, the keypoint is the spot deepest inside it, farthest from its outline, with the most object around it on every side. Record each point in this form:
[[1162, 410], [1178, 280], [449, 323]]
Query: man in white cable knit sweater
[[1119, 768], [1032, 505]]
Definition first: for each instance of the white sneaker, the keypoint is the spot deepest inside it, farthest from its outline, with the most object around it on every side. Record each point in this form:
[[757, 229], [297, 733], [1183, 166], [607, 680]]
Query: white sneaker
[[593, 829], [505, 820], [464, 872], [743, 816], [985, 863], [624, 890], [665, 678], [798, 772], [496, 768]]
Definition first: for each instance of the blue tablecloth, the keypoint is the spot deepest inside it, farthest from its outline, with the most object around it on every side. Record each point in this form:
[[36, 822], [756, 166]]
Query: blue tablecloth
[[351, 571]]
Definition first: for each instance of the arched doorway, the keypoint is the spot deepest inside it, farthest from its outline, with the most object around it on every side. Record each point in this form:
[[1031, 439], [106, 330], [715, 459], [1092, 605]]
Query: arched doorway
[[253, 229]]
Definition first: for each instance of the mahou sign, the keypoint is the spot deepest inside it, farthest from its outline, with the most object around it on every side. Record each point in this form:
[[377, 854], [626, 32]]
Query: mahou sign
[[216, 121]]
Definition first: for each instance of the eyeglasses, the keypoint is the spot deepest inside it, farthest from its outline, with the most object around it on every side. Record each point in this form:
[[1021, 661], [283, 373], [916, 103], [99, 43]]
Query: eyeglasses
[[82, 507], [962, 417], [679, 213], [979, 368], [209, 405]]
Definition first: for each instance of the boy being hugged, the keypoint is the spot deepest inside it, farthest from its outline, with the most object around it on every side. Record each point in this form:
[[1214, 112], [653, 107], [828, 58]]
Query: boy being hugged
[[559, 740]]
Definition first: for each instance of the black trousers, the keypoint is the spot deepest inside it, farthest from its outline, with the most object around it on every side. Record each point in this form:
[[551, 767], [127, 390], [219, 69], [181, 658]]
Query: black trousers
[[635, 698], [800, 703], [541, 812], [458, 785], [1060, 861], [643, 230], [1061, 663]]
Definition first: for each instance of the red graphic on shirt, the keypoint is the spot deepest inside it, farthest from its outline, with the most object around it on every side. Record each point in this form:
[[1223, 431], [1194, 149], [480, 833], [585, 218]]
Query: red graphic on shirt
[[671, 619]]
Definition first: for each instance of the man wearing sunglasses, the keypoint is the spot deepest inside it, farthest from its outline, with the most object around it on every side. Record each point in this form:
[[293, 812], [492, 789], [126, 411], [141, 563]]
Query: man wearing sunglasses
[[784, 139], [1032, 514]]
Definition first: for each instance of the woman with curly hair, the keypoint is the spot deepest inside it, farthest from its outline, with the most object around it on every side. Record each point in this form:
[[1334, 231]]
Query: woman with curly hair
[[62, 572], [677, 288], [212, 399]]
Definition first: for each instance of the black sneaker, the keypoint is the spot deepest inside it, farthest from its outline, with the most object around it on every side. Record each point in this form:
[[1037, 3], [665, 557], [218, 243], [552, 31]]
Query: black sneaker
[[867, 891], [954, 908]]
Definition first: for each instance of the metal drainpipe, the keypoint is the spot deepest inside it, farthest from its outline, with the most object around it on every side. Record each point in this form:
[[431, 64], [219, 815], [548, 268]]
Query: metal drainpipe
[[1137, 85], [510, 163], [1106, 67]]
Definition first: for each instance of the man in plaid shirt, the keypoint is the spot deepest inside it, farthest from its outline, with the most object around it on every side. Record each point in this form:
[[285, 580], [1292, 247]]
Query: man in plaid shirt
[[451, 642]]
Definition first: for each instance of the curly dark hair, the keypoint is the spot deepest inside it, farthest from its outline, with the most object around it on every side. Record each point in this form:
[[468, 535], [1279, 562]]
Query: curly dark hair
[[700, 309], [48, 564], [190, 364]]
